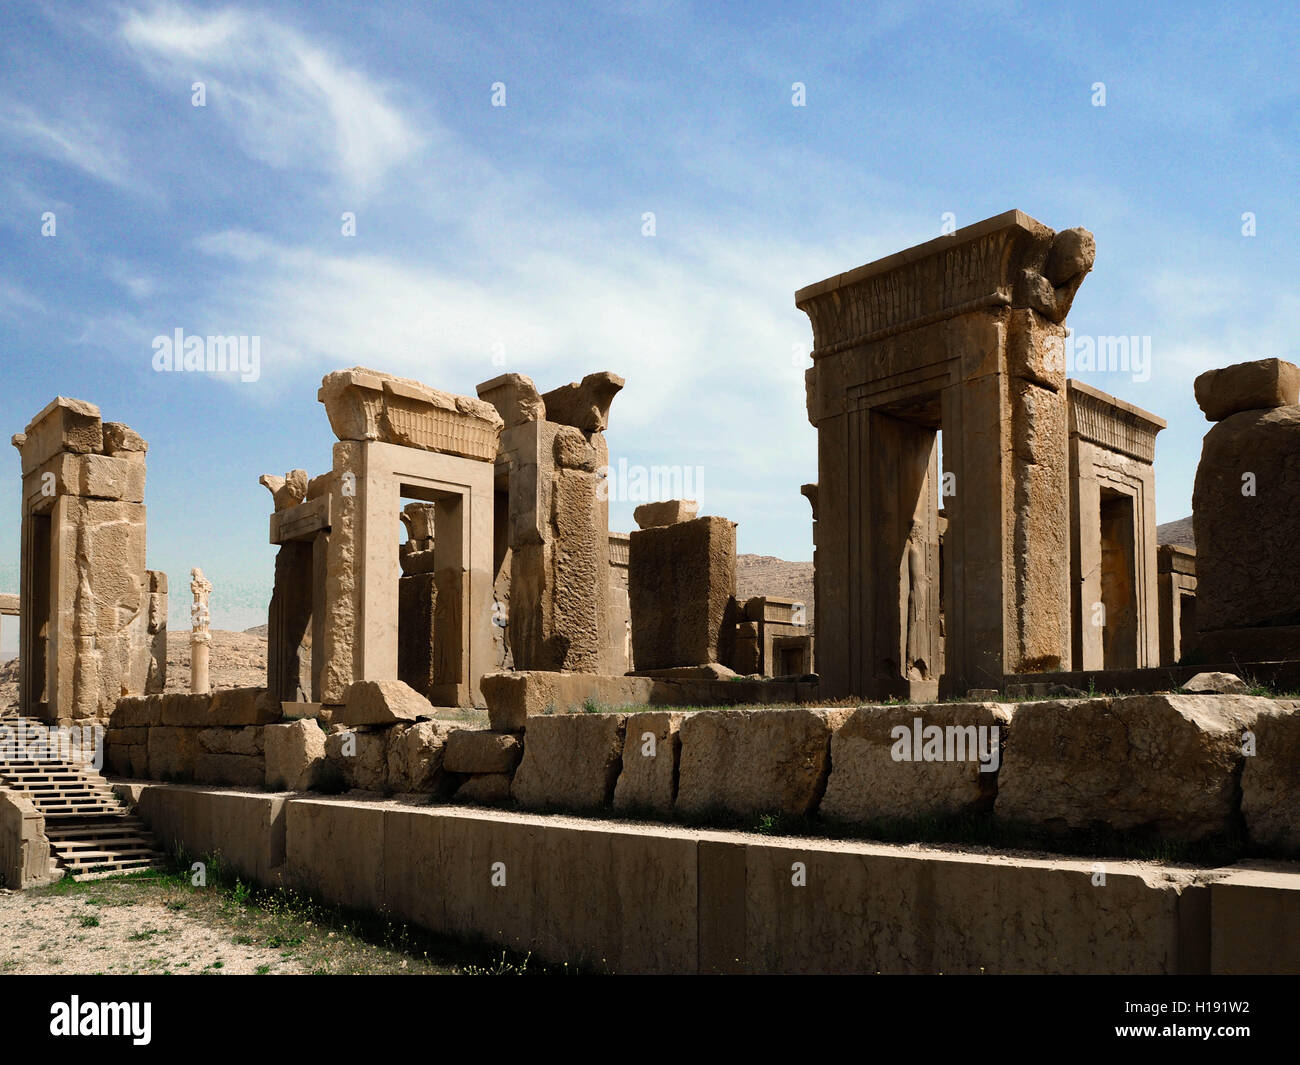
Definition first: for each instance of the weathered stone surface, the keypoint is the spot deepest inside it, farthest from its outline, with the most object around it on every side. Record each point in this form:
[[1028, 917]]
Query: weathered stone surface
[[900, 762], [667, 512], [246, 741], [64, 424], [366, 404], [173, 753], [681, 585], [485, 787], [126, 737], [651, 749], [110, 477], [481, 751], [1247, 523], [382, 702], [513, 698], [1165, 762], [415, 756], [1270, 783], [573, 451], [515, 398], [755, 761], [1216, 684], [585, 404], [120, 438], [137, 710], [360, 755], [1259, 385], [239, 770], [571, 761], [295, 755]]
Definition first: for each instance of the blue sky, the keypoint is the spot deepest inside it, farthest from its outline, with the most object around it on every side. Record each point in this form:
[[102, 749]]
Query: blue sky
[[511, 238]]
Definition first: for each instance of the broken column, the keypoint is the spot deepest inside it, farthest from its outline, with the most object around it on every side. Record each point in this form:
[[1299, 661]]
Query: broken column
[[554, 457], [200, 636], [90, 627], [681, 587], [963, 334], [1246, 513]]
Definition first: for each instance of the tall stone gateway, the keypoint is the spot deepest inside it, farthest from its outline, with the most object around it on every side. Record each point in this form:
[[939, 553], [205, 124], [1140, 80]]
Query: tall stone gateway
[[93, 624], [963, 334]]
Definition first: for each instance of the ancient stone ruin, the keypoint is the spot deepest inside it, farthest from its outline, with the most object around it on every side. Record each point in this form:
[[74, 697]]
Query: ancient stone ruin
[[453, 623]]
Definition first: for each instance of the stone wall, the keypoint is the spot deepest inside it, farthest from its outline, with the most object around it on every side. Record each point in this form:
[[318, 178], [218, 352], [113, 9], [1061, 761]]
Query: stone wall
[[612, 897], [25, 859]]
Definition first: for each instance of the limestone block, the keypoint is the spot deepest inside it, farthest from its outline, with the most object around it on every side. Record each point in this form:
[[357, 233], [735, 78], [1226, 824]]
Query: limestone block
[[1270, 783], [120, 438], [515, 398], [415, 756], [368, 405], [246, 830], [755, 761], [513, 698], [110, 477], [295, 754], [382, 702], [481, 751], [114, 737], [571, 761], [898, 762], [1247, 523], [573, 451], [64, 424], [1216, 684], [668, 512], [245, 741], [157, 581], [239, 770], [1259, 385], [1164, 762], [485, 787], [360, 755], [1255, 923], [681, 584], [585, 404], [335, 850], [651, 748], [137, 710], [173, 752]]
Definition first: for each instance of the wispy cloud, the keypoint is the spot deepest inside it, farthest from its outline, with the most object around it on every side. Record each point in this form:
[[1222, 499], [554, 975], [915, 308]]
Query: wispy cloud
[[289, 102], [76, 140]]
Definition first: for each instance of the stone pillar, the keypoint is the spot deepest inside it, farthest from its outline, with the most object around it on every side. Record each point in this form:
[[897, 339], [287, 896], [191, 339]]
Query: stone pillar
[[1176, 564], [200, 637], [554, 456], [85, 634], [1246, 513], [962, 334]]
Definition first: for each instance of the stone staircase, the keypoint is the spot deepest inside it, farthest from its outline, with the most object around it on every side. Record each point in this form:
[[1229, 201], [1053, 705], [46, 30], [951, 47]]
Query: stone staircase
[[92, 834]]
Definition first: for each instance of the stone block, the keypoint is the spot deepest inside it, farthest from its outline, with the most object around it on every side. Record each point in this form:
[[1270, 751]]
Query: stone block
[[1167, 763], [1270, 782], [749, 762], [513, 698], [485, 788], [667, 512], [571, 761], [70, 425], [173, 752], [295, 755], [1216, 684], [1259, 385], [1255, 924], [239, 770], [246, 741], [111, 477], [120, 438], [681, 588], [899, 762], [246, 832], [382, 702], [134, 711], [515, 398], [651, 749], [360, 755], [415, 756], [584, 404], [481, 751]]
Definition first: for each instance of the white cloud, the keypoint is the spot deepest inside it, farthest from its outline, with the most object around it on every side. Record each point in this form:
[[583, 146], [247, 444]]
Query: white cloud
[[287, 101], [76, 140]]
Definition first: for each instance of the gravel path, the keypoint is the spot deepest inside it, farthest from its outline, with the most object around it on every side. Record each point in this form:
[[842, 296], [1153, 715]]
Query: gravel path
[[97, 933]]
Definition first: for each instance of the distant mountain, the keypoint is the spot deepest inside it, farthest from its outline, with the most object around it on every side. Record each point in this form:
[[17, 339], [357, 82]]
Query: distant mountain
[[1176, 532]]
